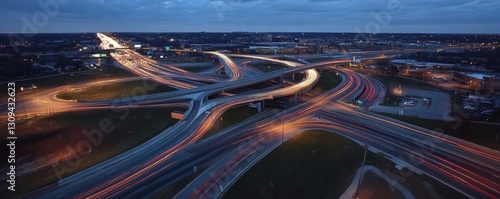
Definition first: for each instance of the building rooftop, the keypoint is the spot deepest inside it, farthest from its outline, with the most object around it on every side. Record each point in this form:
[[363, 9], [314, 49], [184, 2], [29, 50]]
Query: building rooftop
[[477, 75]]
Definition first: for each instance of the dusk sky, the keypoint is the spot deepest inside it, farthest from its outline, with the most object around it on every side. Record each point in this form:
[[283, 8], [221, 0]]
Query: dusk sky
[[427, 16]]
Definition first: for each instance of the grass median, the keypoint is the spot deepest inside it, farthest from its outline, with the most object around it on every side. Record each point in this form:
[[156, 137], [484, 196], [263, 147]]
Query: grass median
[[313, 164], [327, 81], [229, 118], [197, 69], [267, 67], [75, 77], [483, 134], [68, 78], [114, 90]]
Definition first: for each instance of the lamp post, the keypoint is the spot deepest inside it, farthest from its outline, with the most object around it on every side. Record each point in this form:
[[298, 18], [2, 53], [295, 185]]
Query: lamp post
[[361, 172], [283, 133], [455, 98], [24, 106], [35, 92], [67, 154], [220, 123]]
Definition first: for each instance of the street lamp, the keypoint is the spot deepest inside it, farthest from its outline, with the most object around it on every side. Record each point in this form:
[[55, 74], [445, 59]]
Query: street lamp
[[455, 98], [24, 106], [65, 136], [283, 132], [220, 123], [361, 171], [35, 92]]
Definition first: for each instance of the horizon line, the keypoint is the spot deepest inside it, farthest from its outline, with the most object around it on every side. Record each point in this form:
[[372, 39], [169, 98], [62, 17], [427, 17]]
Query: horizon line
[[333, 32]]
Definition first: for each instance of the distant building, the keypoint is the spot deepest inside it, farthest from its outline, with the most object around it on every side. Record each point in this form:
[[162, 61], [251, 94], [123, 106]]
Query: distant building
[[278, 44], [403, 61], [89, 47], [492, 84], [452, 50], [422, 65], [474, 80]]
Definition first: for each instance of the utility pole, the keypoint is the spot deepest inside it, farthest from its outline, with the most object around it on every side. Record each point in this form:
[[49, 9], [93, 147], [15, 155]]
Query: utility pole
[[24, 106], [283, 133], [220, 124], [67, 155], [361, 172]]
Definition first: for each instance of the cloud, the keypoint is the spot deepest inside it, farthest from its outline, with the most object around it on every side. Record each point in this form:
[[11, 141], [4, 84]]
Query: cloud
[[254, 15]]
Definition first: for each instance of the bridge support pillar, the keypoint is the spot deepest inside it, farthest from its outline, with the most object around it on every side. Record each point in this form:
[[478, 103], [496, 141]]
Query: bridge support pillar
[[293, 76]]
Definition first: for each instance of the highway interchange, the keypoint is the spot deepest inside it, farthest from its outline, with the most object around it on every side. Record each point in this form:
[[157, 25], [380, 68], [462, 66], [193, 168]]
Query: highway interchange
[[147, 169]]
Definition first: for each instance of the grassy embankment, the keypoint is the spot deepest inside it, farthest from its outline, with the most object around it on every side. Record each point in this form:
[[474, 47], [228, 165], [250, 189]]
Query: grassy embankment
[[318, 164], [114, 90], [59, 140]]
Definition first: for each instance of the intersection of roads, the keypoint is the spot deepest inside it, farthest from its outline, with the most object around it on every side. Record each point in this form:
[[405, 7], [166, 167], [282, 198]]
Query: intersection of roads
[[147, 169]]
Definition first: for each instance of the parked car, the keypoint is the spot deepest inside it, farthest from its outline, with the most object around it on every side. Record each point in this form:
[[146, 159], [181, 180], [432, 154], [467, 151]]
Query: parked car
[[468, 107], [409, 102], [486, 114], [486, 101], [485, 110], [427, 101]]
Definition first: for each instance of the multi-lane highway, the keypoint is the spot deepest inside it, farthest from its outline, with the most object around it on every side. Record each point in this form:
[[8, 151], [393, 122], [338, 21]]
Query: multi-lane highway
[[470, 169], [175, 139], [146, 169]]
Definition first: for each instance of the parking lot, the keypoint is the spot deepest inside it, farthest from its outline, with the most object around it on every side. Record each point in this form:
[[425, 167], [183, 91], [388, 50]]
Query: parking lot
[[413, 103], [479, 108]]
